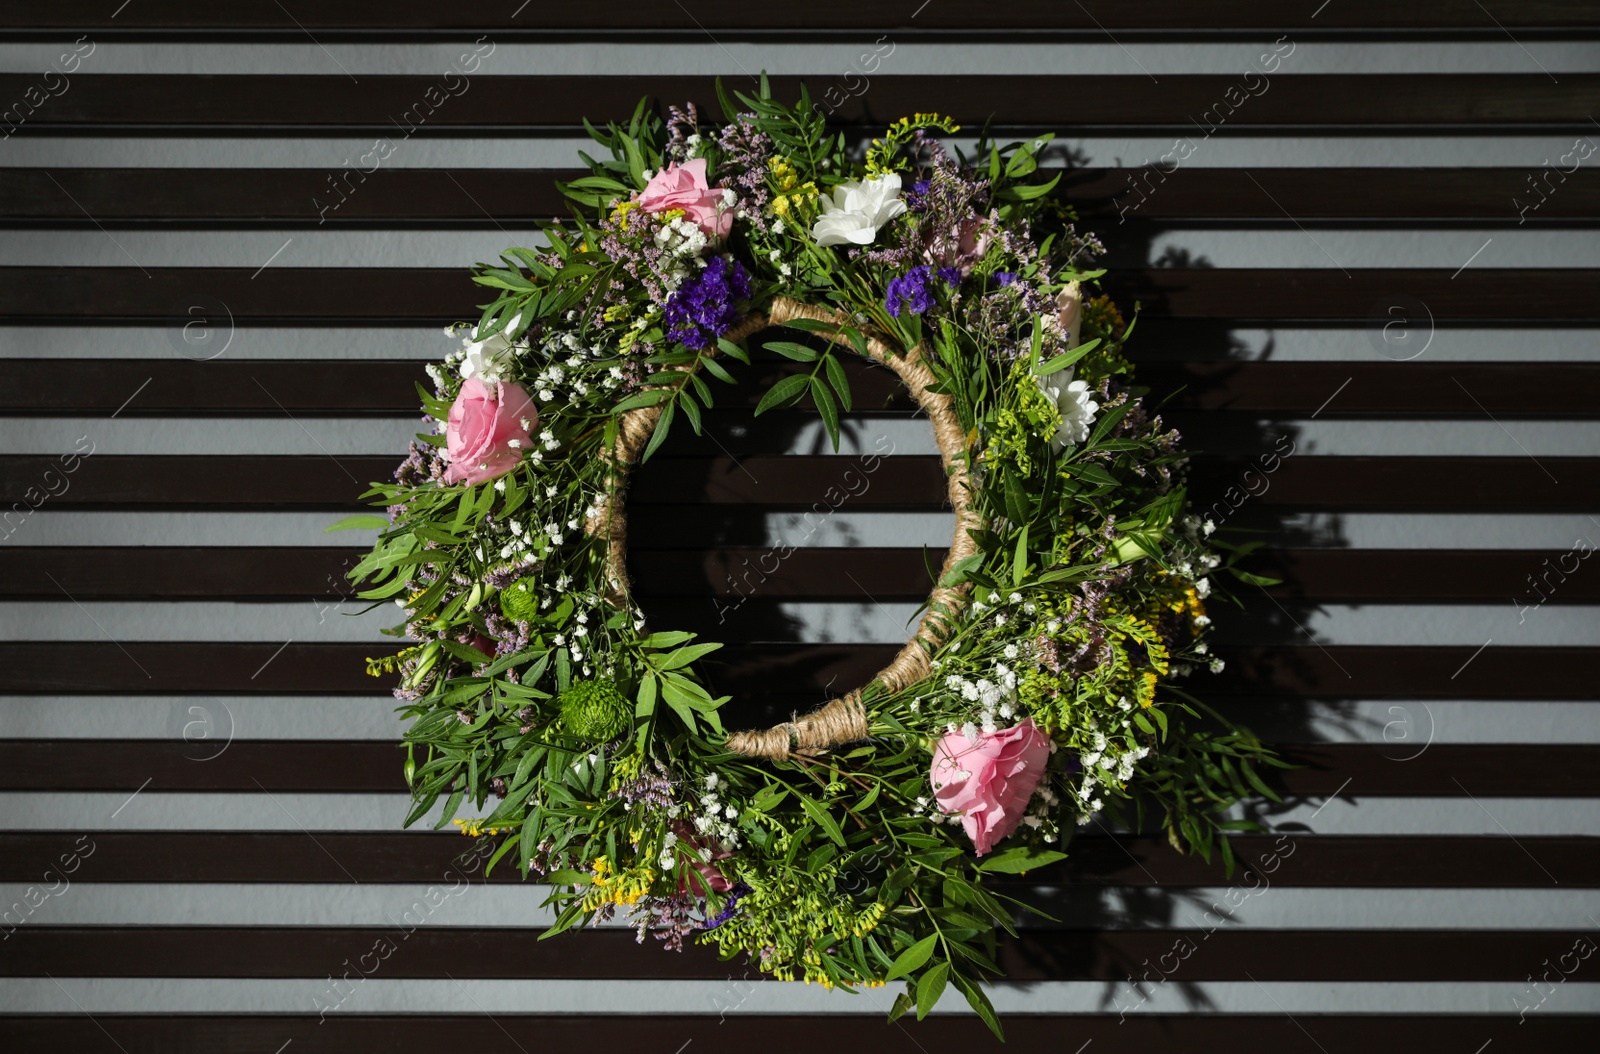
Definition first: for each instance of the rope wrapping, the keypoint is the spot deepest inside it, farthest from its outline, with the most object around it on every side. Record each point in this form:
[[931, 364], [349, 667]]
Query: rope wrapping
[[842, 720]]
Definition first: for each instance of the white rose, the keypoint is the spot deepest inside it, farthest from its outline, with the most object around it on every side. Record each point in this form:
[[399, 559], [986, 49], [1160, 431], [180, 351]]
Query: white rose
[[487, 360], [1076, 403], [857, 209]]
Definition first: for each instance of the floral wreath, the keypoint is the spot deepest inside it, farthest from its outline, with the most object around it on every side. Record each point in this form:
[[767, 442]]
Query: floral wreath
[[870, 840]]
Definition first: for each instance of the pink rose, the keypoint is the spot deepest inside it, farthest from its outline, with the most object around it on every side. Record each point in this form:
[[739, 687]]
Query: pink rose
[[684, 187], [487, 431], [988, 783]]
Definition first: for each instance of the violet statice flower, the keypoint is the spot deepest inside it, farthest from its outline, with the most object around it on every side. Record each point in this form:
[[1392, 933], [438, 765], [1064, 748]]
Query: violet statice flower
[[910, 291], [951, 276], [746, 153], [1004, 278], [706, 306]]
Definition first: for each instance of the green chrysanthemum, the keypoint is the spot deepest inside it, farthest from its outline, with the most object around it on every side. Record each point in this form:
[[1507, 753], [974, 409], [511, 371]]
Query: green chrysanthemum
[[518, 601], [595, 710]]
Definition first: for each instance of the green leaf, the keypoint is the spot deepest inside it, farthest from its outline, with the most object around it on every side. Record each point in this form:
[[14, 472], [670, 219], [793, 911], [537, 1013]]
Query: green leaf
[[840, 382], [930, 988], [1019, 860], [684, 656], [819, 815], [790, 350], [912, 959], [978, 999], [366, 522], [785, 392], [659, 435], [666, 639], [1067, 358], [638, 399], [827, 408]]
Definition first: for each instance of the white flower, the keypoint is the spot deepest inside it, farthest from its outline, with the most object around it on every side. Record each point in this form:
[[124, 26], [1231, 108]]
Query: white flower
[[487, 359], [1010, 651], [857, 209], [1202, 587], [1217, 665], [1076, 403]]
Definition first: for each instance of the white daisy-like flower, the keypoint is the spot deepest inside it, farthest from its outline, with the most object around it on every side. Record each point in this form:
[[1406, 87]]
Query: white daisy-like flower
[[1075, 402]]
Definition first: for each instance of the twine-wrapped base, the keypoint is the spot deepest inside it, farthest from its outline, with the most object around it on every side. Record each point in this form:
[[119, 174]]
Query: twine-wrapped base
[[843, 720]]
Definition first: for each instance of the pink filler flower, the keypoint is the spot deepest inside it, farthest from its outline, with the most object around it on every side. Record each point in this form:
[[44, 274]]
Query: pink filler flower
[[684, 187], [988, 783], [488, 430]]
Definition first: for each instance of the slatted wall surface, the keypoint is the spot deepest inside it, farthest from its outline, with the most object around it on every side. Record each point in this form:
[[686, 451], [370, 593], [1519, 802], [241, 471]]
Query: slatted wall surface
[[1371, 280]]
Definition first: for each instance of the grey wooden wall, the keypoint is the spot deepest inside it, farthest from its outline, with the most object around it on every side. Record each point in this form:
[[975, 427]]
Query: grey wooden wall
[[1381, 256]]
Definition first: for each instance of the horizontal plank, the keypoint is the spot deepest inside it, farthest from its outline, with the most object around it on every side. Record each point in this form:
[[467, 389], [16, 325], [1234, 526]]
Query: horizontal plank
[[1217, 485], [336, 296], [1502, 771], [1144, 1032], [516, 953], [516, 105], [767, 572], [1318, 861], [322, 387], [486, 198], [349, 388], [367, 20], [768, 680], [521, 104]]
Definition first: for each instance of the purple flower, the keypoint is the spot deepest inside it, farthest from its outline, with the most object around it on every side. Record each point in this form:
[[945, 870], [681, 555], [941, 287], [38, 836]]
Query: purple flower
[[910, 290], [1004, 278], [913, 197], [739, 889], [706, 306]]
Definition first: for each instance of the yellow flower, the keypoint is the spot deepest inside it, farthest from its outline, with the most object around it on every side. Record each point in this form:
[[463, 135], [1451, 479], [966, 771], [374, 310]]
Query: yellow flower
[[619, 212], [1146, 689]]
